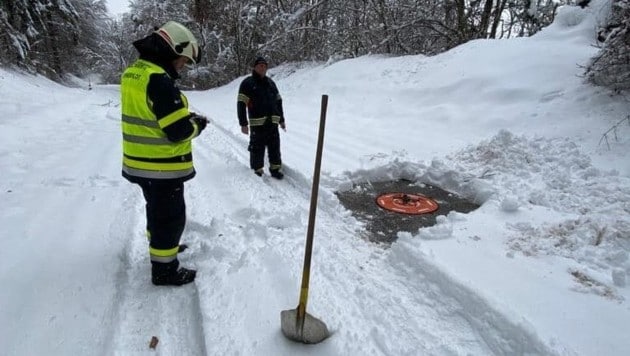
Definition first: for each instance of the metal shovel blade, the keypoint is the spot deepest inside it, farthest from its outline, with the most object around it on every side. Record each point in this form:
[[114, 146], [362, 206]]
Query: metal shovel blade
[[312, 331]]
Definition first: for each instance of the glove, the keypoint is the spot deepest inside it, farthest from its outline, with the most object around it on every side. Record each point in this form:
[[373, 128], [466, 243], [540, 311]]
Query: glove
[[201, 121]]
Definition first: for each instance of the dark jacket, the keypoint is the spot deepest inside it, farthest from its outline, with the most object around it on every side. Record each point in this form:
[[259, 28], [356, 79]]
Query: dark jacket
[[259, 97]]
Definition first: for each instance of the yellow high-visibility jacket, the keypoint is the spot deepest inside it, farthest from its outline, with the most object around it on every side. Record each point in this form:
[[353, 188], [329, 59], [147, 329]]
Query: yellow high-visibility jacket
[[151, 149]]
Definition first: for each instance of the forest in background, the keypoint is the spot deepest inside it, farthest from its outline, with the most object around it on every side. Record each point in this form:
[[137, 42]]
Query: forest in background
[[62, 38]]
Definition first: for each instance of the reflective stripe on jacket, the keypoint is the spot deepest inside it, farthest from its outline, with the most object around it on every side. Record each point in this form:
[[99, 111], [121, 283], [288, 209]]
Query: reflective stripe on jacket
[[147, 152], [259, 99]]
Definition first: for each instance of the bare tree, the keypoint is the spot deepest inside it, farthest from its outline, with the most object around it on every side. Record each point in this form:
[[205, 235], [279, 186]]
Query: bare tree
[[48, 35], [15, 25], [97, 49], [611, 66]]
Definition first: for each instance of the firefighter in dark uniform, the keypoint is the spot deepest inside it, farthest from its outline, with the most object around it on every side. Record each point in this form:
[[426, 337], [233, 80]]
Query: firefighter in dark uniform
[[157, 130], [259, 98]]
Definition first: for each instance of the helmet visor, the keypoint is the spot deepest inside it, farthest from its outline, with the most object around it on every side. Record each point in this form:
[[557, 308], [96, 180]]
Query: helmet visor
[[196, 52], [190, 50]]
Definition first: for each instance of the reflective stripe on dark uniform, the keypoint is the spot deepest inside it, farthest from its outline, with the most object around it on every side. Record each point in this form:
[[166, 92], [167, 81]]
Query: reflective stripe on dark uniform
[[259, 100]]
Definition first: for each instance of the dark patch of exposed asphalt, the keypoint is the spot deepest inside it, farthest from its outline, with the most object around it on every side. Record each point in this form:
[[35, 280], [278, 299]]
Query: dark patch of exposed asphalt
[[383, 225]]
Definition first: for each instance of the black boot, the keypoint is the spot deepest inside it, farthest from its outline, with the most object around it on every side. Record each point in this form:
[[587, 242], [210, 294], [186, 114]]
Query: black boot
[[276, 173], [169, 274]]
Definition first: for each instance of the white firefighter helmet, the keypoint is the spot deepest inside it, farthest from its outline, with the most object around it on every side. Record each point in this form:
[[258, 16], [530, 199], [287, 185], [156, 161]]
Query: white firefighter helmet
[[180, 39]]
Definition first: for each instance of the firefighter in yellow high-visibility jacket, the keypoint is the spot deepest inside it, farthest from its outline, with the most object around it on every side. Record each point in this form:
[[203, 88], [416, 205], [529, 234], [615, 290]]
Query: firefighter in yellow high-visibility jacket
[[157, 130]]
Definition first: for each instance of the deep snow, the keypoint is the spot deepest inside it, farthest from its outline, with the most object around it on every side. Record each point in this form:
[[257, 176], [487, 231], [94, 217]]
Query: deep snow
[[539, 269]]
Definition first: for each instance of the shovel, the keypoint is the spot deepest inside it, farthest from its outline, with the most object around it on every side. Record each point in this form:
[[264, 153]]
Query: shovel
[[297, 324]]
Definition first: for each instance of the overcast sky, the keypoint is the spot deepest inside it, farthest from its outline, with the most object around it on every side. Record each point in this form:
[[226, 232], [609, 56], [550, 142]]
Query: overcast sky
[[117, 6]]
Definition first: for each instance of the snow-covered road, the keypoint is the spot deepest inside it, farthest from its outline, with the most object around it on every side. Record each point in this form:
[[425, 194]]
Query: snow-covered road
[[541, 268], [247, 240]]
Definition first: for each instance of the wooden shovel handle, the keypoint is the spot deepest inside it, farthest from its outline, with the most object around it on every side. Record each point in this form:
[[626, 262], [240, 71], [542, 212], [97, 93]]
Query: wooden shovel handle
[[301, 310]]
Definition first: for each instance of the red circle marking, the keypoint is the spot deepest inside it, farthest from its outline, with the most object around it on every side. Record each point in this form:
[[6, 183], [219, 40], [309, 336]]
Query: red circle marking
[[405, 203]]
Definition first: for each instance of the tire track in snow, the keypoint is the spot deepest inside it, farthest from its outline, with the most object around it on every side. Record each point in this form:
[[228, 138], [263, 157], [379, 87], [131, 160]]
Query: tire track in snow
[[139, 310], [502, 335], [73, 186], [169, 313], [241, 223]]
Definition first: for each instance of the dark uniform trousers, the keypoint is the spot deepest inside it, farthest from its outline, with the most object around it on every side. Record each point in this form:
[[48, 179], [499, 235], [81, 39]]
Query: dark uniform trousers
[[261, 137], [166, 212]]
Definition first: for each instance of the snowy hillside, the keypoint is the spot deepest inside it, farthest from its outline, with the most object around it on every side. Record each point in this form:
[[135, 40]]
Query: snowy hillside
[[541, 268]]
